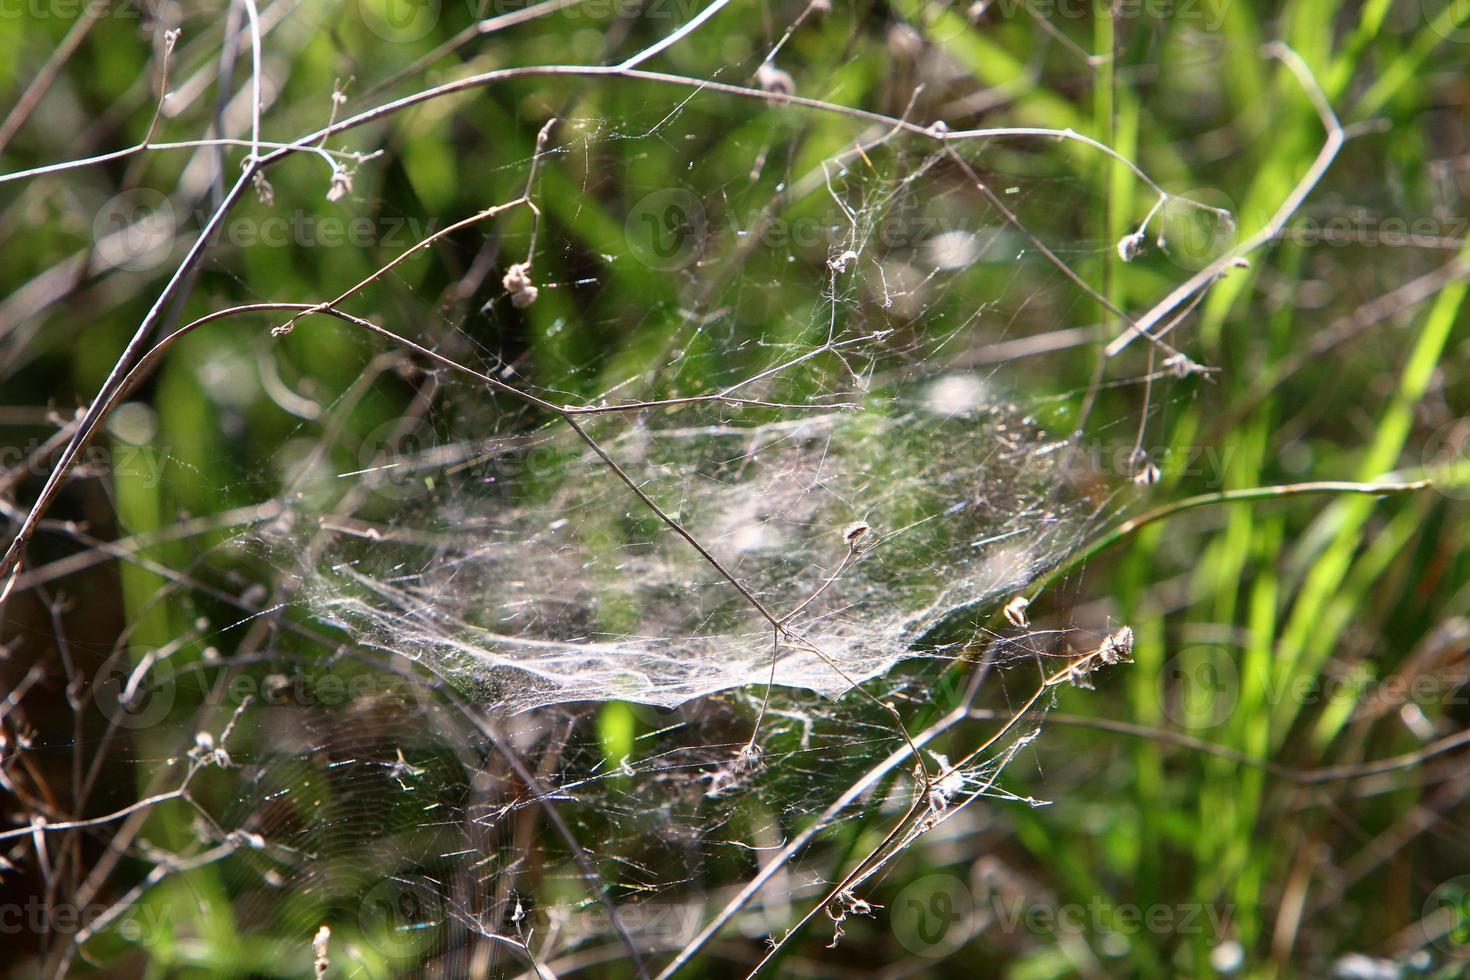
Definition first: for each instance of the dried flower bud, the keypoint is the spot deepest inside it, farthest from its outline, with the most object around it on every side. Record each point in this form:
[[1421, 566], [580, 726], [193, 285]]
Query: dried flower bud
[[263, 190], [1181, 366], [319, 949], [341, 183], [1143, 470], [774, 81], [904, 43], [749, 758], [1130, 245], [1015, 612], [1117, 647], [518, 283]]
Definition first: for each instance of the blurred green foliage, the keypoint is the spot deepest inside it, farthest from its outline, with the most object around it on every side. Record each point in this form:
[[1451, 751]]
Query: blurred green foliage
[[1207, 805]]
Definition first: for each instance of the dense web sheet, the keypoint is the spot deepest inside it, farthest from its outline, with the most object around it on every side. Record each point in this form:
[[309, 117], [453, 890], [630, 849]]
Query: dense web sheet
[[843, 460], [581, 595]]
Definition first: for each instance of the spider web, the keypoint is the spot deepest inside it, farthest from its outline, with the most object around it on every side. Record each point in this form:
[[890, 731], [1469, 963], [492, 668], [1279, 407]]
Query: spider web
[[516, 562], [493, 711], [822, 422]]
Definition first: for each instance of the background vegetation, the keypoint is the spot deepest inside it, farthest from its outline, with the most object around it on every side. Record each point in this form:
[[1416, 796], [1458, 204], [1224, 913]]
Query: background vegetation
[[1276, 787]]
